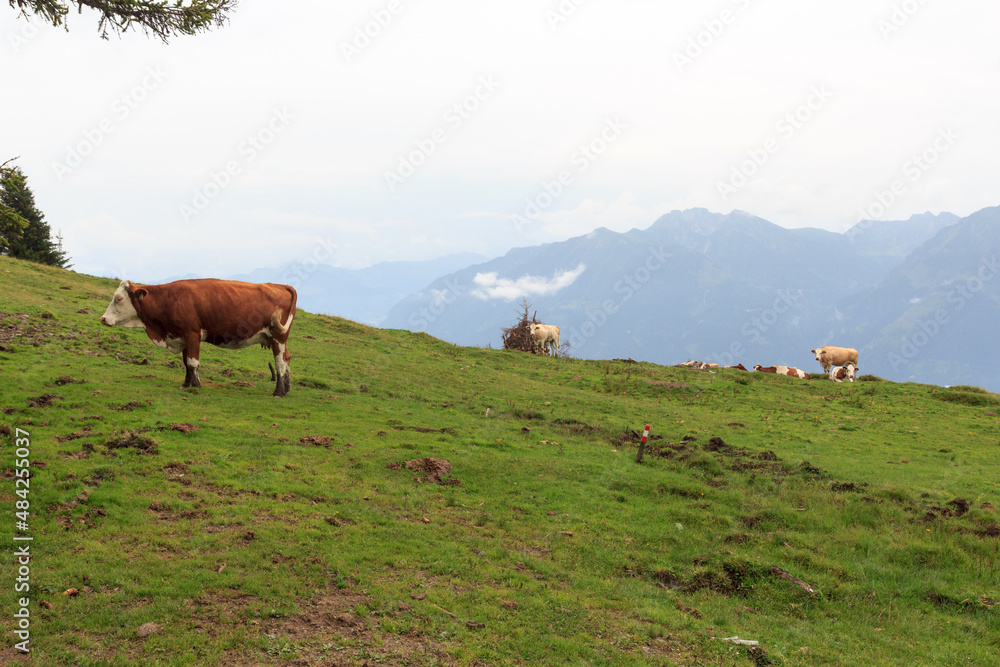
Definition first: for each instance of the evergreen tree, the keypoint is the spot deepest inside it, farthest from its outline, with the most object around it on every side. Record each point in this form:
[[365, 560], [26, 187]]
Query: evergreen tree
[[23, 231], [162, 18]]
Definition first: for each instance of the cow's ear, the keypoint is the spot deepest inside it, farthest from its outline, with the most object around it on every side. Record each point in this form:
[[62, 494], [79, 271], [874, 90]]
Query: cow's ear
[[139, 293]]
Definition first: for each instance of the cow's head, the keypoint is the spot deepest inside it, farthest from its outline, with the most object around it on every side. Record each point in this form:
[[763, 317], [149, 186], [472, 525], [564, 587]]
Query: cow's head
[[532, 327], [757, 367], [121, 312], [852, 370]]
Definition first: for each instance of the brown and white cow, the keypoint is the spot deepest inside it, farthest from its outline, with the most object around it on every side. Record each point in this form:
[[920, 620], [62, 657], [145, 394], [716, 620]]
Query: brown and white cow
[[829, 355], [842, 373], [782, 370], [545, 337], [228, 313]]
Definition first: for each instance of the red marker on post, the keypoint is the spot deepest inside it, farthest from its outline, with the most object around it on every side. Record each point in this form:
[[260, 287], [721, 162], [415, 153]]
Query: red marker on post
[[642, 444]]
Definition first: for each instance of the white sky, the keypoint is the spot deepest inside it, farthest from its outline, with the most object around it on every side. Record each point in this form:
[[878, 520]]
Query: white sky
[[157, 121]]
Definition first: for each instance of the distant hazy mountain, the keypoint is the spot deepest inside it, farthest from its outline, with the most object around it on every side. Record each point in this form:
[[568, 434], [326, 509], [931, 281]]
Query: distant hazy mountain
[[934, 318], [363, 295], [888, 242], [733, 288]]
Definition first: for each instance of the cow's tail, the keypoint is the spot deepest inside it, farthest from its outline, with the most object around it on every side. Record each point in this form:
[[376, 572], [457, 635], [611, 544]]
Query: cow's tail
[[282, 329]]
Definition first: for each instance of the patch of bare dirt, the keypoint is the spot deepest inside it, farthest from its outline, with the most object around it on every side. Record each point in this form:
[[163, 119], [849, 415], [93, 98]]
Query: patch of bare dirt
[[130, 406], [184, 428], [842, 487], [131, 439], [992, 530], [577, 427], [317, 441], [43, 401], [716, 444], [22, 331], [75, 435], [436, 470], [960, 506]]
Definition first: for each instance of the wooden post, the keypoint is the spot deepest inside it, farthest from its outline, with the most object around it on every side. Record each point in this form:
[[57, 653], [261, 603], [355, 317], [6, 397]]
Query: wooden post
[[642, 445]]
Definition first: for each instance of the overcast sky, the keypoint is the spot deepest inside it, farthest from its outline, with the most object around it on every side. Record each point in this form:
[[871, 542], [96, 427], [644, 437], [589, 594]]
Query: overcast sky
[[359, 132]]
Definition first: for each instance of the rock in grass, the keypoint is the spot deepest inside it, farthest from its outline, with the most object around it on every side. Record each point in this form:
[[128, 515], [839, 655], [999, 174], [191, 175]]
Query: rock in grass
[[147, 629]]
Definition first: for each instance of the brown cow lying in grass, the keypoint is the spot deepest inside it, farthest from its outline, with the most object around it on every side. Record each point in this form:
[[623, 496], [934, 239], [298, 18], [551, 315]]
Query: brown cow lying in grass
[[782, 370]]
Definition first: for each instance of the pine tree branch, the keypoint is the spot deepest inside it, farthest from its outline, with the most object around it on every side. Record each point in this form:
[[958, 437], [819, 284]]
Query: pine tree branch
[[162, 18]]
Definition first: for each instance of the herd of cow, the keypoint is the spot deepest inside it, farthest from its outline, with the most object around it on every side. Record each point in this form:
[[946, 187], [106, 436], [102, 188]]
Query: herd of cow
[[179, 316], [839, 363]]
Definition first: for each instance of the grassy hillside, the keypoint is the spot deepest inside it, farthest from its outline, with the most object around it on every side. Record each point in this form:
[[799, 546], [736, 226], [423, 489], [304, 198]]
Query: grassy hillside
[[835, 524]]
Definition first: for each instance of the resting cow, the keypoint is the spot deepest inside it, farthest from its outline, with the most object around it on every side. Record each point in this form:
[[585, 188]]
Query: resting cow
[[841, 373], [545, 336], [231, 314], [782, 370], [828, 356]]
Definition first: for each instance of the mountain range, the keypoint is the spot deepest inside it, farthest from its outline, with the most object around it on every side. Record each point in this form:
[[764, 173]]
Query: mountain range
[[916, 297]]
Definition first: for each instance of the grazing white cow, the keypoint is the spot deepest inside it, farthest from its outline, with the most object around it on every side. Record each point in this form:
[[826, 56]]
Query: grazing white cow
[[828, 356], [545, 337], [841, 373]]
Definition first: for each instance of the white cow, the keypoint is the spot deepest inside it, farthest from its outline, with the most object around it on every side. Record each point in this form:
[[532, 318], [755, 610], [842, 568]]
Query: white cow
[[830, 355], [545, 337], [841, 373]]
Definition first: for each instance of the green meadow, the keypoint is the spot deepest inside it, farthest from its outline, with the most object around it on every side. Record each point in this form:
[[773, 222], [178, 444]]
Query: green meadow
[[411, 502]]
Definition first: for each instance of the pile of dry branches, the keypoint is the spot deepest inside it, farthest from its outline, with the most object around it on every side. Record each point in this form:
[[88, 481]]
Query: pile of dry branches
[[518, 337]]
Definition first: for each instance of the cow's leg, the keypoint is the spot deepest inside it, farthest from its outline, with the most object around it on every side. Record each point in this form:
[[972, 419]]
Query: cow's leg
[[282, 368], [189, 355]]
